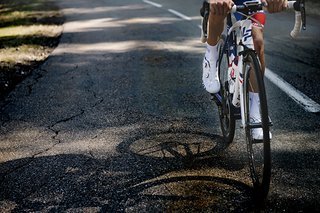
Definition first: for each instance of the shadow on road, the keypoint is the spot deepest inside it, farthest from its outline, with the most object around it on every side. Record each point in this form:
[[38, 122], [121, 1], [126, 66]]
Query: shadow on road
[[163, 174]]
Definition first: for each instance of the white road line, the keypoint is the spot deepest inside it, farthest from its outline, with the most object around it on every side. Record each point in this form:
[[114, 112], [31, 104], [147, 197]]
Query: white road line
[[152, 3], [303, 100], [179, 14]]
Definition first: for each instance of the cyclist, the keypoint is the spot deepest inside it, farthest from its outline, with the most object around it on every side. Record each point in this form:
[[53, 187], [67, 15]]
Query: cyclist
[[218, 12]]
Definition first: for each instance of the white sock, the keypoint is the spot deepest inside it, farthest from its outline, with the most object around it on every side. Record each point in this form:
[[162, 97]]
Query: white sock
[[254, 105], [212, 53]]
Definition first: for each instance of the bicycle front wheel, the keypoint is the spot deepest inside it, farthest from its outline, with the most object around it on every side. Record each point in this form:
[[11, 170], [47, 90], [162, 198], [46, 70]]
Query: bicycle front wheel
[[258, 150]]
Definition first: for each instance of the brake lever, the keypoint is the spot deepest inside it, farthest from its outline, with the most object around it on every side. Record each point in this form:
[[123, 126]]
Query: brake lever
[[303, 14], [299, 5]]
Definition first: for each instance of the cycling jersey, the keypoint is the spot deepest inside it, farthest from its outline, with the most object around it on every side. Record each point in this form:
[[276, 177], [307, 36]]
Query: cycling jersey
[[259, 16]]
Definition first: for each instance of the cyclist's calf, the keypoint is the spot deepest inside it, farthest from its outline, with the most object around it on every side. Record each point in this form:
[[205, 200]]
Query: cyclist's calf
[[257, 35]]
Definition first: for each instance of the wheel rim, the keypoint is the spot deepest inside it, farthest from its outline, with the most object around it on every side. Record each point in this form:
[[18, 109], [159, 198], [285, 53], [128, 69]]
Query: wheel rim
[[258, 153]]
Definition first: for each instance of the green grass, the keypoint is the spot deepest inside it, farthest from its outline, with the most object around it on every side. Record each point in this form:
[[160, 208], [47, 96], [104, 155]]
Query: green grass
[[28, 12], [29, 31]]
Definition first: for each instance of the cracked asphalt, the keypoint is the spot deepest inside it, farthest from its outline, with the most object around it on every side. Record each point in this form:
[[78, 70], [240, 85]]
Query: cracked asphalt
[[116, 120]]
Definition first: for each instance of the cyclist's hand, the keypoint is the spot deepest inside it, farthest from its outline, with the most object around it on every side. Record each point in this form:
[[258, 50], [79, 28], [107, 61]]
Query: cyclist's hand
[[221, 7], [275, 6]]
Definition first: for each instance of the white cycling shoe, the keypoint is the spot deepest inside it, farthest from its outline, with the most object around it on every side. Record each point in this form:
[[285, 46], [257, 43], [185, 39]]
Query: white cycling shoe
[[210, 77]]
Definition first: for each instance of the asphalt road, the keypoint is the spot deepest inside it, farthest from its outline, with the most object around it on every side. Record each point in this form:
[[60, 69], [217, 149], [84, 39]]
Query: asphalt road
[[117, 119]]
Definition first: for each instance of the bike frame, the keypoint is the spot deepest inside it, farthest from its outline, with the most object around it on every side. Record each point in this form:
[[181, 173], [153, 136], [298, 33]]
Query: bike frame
[[238, 39]]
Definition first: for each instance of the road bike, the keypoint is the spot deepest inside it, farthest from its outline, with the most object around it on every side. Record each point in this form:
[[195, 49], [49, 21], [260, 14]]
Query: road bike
[[238, 67]]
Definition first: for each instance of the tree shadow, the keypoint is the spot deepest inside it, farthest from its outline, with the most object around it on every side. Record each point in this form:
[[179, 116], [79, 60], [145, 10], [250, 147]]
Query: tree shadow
[[16, 41], [31, 21]]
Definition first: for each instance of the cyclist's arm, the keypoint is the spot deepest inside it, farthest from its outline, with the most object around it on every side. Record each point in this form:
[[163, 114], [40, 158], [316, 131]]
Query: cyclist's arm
[[275, 6], [221, 7]]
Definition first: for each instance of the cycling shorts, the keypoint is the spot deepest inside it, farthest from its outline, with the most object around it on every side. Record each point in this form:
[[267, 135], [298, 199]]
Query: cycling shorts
[[259, 16]]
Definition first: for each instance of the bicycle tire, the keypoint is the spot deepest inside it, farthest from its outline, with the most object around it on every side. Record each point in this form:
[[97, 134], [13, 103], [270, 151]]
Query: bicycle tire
[[259, 152], [226, 109]]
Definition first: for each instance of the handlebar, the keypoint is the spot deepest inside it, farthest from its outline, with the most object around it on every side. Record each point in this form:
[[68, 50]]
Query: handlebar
[[300, 20], [250, 7]]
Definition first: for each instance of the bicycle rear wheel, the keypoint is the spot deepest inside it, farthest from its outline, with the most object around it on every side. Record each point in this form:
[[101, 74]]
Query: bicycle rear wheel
[[259, 152], [226, 109]]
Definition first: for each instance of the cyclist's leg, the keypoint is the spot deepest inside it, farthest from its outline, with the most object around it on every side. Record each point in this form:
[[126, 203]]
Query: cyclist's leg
[[258, 41], [257, 34], [209, 77], [215, 27]]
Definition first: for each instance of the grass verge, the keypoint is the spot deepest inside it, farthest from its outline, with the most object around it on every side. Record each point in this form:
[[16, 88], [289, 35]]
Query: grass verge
[[29, 31]]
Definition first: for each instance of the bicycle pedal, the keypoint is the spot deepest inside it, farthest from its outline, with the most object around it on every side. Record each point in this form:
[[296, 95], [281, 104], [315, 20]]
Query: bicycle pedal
[[253, 125], [254, 141]]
